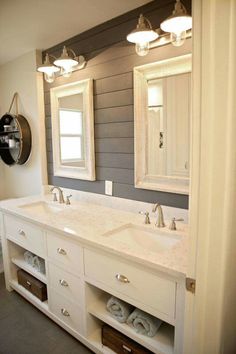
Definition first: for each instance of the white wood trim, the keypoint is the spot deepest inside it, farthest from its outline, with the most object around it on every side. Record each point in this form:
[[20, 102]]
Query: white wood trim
[[163, 68], [210, 315], [88, 171]]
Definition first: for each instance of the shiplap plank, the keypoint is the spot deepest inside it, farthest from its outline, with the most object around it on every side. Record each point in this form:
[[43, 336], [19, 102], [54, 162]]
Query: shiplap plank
[[114, 99], [114, 114], [48, 133], [72, 183], [48, 122], [49, 145], [115, 160], [114, 83], [118, 175], [114, 130], [163, 198], [115, 145]]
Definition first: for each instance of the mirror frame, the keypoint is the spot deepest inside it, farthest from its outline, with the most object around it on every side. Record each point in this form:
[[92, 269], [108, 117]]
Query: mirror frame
[[86, 172], [169, 67]]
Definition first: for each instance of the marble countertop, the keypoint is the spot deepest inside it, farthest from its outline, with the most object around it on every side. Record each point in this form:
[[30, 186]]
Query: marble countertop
[[88, 222]]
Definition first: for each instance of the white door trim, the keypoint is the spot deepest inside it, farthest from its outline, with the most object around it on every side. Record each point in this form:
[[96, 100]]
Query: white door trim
[[210, 313]]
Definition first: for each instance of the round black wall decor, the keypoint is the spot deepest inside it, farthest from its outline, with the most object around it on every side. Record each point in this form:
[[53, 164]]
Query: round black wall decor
[[15, 139]]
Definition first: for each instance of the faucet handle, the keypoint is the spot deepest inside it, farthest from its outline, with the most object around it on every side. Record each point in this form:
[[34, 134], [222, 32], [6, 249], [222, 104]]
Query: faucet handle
[[173, 223], [147, 218], [68, 199]]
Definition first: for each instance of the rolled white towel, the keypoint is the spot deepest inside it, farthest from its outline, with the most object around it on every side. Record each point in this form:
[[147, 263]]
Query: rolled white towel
[[28, 257], [119, 309], [144, 323]]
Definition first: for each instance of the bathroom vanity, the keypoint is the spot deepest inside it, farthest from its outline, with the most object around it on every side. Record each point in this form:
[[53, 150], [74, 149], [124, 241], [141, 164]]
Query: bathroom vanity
[[94, 251]]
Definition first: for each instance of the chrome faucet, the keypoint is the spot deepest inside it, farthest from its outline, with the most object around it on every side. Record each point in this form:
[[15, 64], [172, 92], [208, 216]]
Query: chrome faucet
[[160, 220], [60, 192]]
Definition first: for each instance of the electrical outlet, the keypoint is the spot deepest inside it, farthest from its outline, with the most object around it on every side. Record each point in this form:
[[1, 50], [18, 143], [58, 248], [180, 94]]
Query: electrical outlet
[[108, 187]]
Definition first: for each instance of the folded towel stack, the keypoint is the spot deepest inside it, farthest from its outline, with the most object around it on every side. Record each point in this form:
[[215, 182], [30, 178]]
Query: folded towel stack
[[144, 323], [35, 261], [119, 309]]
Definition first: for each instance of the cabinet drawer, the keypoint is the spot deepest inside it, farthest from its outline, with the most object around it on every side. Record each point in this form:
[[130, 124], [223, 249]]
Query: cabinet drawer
[[25, 234], [67, 311], [142, 285], [65, 253], [64, 283]]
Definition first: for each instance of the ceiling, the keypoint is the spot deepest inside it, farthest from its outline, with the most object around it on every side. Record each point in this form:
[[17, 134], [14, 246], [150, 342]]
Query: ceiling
[[26, 25]]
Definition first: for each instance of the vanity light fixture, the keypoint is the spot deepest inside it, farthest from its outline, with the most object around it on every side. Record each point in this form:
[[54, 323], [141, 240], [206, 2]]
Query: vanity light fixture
[[68, 60], [177, 24], [142, 35], [48, 69]]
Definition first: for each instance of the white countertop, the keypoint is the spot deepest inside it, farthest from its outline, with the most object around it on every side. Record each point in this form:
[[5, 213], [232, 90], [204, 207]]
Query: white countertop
[[88, 222]]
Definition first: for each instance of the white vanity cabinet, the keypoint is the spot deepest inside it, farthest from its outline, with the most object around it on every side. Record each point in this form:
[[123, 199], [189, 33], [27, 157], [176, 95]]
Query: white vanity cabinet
[[80, 279], [65, 287]]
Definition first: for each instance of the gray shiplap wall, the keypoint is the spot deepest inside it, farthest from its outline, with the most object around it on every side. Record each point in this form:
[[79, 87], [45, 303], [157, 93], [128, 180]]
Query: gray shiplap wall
[[111, 66]]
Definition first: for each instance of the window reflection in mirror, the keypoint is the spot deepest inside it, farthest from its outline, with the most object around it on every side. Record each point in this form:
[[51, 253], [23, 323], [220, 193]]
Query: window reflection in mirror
[[73, 130]]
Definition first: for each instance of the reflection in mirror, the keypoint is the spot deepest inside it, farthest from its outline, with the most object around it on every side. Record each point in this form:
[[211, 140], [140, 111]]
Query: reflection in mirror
[[73, 130], [168, 126], [162, 125]]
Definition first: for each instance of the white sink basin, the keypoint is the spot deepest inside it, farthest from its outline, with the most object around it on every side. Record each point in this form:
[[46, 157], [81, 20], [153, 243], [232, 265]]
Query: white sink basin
[[139, 237], [43, 207]]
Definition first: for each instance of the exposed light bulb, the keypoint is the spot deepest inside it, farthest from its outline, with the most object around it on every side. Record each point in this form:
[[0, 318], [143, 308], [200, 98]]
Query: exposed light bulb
[[142, 49], [178, 38], [49, 77], [66, 71]]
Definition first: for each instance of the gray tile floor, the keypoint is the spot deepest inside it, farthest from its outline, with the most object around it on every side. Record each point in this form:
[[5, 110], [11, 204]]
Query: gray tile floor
[[25, 330]]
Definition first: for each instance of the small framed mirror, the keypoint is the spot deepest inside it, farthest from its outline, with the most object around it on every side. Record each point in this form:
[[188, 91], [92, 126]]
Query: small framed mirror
[[162, 108], [73, 130]]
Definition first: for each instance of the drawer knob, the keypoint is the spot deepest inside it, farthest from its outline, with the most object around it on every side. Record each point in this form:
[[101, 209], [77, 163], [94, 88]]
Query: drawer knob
[[61, 251], [63, 282], [65, 312], [21, 232], [122, 278]]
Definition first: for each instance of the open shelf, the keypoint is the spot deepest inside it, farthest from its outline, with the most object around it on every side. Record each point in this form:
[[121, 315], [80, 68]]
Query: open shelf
[[161, 343], [95, 339], [43, 306], [20, 262], [3, 133]]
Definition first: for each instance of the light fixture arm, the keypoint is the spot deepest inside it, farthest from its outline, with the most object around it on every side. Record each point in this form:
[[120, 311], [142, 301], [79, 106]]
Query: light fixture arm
[[179, 9], [143, 22], [71, 50]]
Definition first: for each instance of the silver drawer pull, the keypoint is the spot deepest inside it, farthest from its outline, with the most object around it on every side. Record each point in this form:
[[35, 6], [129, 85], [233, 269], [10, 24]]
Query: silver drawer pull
[[122, 278], [61, 251], [21, 232], [28, 283], [65, 312], [63, 282], [126, 349]]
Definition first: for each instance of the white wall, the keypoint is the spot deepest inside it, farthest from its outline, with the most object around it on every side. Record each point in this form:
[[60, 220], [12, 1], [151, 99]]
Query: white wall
[[20, 76]]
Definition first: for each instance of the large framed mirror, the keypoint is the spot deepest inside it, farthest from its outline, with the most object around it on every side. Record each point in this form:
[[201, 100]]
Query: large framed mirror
[[73, 130], [162, 109]]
